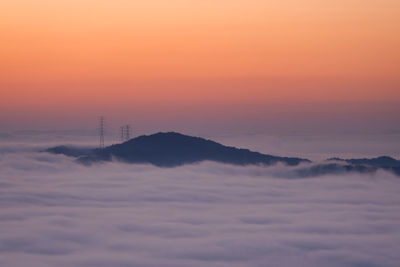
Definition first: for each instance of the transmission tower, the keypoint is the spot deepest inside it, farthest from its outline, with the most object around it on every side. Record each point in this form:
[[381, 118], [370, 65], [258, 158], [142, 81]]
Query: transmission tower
[[122, 134], [101, 132], [127, 132]]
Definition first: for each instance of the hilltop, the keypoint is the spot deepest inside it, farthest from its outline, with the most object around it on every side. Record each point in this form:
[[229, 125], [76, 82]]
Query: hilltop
[[173, 149]]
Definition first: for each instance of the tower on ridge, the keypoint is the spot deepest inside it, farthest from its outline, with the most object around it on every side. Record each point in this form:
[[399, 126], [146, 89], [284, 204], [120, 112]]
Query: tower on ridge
[[101, 133]]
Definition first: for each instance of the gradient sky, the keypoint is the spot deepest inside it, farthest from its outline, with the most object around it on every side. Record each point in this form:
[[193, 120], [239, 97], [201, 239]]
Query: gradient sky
[[194, 64]]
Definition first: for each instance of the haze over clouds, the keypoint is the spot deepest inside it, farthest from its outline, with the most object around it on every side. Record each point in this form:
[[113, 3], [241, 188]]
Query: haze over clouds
[[59, 213]]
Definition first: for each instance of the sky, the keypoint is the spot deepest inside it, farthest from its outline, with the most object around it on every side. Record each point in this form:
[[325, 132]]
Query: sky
[[202, 67]]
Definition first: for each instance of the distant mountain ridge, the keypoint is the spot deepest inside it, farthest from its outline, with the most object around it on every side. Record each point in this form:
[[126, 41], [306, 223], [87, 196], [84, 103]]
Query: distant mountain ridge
[[173, 149], [362, 165], [339, 166], [383, 161]]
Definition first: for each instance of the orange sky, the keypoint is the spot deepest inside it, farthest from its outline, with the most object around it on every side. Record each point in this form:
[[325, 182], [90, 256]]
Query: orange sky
[[121, 56]]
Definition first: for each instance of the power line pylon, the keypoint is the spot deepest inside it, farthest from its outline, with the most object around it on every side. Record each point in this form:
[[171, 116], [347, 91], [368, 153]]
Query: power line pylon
[[128, 132], [122, 134], [101, 133]]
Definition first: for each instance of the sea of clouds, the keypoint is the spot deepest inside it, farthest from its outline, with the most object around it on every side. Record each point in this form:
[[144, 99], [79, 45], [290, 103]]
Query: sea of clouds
[[55, 212]]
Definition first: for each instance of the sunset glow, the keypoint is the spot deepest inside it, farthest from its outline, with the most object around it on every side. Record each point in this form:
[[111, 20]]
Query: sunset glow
[[122, 54]]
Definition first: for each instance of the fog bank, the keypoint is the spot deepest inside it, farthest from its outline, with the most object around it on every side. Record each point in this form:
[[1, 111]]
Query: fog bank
[[59, 213]]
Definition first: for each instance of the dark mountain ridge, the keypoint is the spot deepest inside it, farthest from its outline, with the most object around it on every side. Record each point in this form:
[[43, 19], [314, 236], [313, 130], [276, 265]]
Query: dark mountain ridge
[[383, 161], [71, 151], [364, 165], [173, 149]]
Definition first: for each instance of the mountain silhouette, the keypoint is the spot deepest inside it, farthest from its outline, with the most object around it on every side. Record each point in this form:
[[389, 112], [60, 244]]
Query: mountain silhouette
[[364, 165], [383, 161], [172, 149], [70, 151], [335, 168]]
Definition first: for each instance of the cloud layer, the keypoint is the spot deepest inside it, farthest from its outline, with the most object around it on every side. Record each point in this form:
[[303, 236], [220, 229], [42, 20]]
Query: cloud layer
[[58, 213]]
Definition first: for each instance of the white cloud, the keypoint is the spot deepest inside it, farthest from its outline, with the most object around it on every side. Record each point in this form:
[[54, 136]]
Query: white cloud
[[55, 212]]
